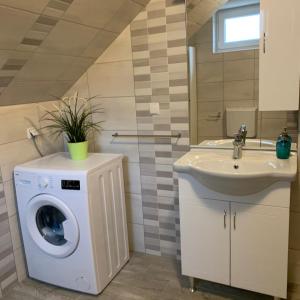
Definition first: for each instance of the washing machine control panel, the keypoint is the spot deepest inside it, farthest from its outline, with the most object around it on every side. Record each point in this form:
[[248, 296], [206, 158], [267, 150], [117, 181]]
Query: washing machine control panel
[[43, 182], [51, 183]]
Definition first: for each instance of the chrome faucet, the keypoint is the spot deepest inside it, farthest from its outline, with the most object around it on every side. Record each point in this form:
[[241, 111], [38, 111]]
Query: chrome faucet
[[237, 146], [243, 133]]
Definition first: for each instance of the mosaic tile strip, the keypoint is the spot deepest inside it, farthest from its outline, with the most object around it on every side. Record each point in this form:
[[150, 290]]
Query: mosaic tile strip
[[44, 24], [33, 39], [160, 74]]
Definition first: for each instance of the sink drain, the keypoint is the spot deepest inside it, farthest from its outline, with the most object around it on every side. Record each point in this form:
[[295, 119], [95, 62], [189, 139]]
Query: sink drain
[[236, 166]]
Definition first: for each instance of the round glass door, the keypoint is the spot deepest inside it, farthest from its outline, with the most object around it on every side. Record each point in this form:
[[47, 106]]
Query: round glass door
[[49, 221], [52, 225]]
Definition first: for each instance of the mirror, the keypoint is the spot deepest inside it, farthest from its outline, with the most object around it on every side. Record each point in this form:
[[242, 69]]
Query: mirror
[[223, 38]]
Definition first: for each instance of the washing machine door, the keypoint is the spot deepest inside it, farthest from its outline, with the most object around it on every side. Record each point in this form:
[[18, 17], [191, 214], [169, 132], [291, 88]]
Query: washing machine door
[[52, 225]]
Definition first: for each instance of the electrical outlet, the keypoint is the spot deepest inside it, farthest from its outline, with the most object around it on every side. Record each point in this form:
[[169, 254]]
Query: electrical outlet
[[31, 131], [154, 108]]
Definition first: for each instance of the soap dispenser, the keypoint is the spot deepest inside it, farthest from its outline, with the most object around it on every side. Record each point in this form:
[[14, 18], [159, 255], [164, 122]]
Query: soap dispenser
[[283, 145]]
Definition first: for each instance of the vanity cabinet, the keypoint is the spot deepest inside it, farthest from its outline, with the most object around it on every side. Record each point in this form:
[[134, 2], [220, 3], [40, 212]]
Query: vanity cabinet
[[279, 55], [259, 239], [240, 241], [207, 246]]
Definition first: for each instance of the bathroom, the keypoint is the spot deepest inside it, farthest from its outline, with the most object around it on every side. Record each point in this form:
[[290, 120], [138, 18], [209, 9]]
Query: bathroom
[[136, 58]]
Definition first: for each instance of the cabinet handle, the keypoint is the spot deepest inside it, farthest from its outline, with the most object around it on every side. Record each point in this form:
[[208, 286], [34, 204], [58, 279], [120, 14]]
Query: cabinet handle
[[264, 43], [234, 221], [225, 217]]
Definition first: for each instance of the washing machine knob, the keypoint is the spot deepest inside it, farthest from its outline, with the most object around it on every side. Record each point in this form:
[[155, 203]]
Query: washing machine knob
[[43, 183]]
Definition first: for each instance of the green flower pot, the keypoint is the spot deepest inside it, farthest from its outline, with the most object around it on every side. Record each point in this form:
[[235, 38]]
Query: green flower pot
[[78, 151]]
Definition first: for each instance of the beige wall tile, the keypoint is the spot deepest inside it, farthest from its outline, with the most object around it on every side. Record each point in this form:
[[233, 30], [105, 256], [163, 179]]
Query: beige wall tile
[[19, 92], [92, 12], [295, 195], [239, 103], [68, 38], [104, 142], [111, 79], [15, 232], [14, 120], [10, 197], [204, 35], [49, 144], [80, 86], [243, 90], [134, 209], [31, 5], [119, 50], [239, 70], [136, 237], [118, 113], [45, 66], [212, 128], [132, 178], [211, 110], [294, 266], [271, 128], [210, 91], [20, 264], [205, 54], [256, 89], [209, 72], [256, 68], [236, 55], [294, 241], [16, 23], [14, 153]]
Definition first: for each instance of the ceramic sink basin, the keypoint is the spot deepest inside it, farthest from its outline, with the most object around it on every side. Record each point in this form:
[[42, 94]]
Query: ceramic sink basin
[[255, 171]]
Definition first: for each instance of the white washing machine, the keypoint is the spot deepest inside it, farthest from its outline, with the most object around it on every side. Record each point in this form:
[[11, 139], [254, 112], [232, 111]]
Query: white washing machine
[[73, 219]]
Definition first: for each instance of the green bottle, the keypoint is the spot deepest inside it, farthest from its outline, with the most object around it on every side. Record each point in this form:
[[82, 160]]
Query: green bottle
[[283, 145]]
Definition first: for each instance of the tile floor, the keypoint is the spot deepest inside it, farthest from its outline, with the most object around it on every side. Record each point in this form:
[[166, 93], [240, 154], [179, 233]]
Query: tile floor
[[143, 278]]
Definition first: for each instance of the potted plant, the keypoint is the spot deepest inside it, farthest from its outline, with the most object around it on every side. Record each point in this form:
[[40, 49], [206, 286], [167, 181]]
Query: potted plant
[[73, 119]]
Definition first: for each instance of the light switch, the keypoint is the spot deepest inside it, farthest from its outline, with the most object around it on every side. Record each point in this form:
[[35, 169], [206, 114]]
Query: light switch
[[154, 108]]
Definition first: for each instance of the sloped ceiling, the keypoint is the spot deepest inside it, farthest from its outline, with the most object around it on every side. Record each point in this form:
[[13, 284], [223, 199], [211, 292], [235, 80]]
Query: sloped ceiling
[[46, 45], [199, 12]]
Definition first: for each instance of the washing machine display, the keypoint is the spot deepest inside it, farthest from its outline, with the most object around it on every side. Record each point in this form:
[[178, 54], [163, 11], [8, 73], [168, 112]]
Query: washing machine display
[[70, 185]]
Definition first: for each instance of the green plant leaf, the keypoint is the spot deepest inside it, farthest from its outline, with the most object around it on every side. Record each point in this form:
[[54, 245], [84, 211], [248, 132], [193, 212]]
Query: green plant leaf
[[73, 118]]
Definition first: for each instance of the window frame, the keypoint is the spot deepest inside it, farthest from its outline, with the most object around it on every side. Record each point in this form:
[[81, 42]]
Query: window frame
[[219, 45]]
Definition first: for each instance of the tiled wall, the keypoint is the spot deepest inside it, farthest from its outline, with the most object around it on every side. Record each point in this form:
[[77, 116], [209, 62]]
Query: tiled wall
[[15, 148], [111, 79], [199, 12], [160, 74], [231, 80], [146, 63], [46, 45]]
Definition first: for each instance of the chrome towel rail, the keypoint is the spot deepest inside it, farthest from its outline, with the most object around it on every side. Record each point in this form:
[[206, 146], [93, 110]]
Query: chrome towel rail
[[178, 135]]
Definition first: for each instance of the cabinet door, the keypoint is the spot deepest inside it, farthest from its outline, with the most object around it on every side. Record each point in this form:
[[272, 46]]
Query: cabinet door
[[205, 239], [278, 59], [259, 248]]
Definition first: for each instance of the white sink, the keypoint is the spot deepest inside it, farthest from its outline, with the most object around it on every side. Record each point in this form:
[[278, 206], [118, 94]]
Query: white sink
[[255, 171], [250, 144]]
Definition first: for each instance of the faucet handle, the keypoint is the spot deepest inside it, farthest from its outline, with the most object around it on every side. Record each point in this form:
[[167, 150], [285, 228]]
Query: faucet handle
[[243, 128]]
